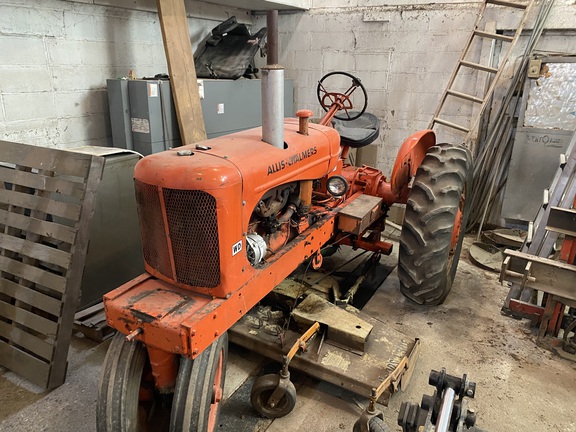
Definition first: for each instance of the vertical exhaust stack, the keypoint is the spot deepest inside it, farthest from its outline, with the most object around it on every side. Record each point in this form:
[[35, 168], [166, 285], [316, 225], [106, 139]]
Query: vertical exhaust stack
[[273, 88]]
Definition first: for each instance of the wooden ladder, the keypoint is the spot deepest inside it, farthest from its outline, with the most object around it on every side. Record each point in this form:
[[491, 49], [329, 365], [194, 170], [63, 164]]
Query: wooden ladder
[[477, 34]]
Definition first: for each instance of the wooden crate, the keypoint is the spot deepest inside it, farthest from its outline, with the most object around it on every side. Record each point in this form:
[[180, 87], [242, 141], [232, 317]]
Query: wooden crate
[[46, 203]]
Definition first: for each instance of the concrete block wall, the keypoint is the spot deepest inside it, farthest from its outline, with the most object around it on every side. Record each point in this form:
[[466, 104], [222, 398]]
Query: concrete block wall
[[55, 57], [403, 53]]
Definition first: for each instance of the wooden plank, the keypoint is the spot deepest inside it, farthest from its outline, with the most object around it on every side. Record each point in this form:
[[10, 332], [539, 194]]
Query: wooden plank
[[35, 250], [89, 311], [32, 343], [29, 319], [30, 296], [98, 332], [176, 36], [493, 35], [450, 124], [344, 327], [46, 205], [47, 183], [43, 158], [24, 364], [33, 274], [544, 274], [95, 318], [92, 323], [41, 227], [74, 275]]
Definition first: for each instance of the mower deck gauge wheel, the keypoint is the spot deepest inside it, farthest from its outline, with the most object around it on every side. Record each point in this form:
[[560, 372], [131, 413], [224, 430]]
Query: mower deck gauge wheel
[[263, 388]]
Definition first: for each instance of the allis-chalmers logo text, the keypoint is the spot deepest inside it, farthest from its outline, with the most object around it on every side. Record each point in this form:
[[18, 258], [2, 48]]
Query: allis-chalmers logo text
[[279, 166]]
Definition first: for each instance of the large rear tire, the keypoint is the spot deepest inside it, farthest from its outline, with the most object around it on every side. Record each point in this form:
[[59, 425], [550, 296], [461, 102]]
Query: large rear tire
[[432, 232], [199, 389]]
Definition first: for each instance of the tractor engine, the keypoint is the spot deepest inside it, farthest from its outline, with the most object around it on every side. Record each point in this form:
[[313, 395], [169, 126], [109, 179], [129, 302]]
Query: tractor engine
[[211, 213]]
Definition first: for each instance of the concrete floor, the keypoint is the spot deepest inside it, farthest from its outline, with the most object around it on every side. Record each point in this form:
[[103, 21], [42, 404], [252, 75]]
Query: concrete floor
[[520, 387]]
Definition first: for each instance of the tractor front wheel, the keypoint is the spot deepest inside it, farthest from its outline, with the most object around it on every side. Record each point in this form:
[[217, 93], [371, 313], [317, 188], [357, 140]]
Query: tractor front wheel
[[127, 400], [200, 389], [433, 228]]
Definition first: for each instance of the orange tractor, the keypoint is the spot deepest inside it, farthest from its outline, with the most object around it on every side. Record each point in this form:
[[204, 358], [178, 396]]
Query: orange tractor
[[223, 222]]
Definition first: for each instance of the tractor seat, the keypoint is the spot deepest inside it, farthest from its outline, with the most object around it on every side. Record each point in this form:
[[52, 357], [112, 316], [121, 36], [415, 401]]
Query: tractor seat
[[359, 132]]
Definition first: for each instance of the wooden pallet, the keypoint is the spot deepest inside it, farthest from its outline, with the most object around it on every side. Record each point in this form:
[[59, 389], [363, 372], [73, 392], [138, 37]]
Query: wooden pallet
[[91, 322], [47, 201]]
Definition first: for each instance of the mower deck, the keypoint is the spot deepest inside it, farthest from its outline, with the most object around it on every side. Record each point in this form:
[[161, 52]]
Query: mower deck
[[383, 360], [389, 356]]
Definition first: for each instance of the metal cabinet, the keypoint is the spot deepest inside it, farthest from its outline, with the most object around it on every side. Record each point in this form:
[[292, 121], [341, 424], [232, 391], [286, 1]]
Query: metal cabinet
[[143, 117]]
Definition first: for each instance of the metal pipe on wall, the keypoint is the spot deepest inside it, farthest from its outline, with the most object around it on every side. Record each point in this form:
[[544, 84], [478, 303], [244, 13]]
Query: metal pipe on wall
[[273, 88], [272, 38]]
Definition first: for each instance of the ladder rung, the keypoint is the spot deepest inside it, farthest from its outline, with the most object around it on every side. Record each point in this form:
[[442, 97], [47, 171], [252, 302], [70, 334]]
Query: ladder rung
[[493, 36], [478, 66], [507, 4], [450, 124], [465, 96]]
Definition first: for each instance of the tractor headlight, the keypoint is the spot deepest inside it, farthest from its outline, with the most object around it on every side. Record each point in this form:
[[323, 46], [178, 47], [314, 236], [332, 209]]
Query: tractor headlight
[[337, 186]]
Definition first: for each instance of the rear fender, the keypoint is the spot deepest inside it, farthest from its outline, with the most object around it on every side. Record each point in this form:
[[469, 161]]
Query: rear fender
[[410, 156]]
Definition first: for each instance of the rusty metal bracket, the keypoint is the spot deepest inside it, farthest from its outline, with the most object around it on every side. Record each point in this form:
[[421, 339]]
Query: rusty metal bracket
[[363, 423], [406, 377], [300, 344], [527, 310], [399, 377], [562, 220], [555, 278], [284, 381], [279, 391]]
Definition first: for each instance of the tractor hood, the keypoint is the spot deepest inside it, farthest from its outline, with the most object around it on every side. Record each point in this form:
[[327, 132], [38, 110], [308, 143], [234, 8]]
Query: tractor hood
[[244, 157]]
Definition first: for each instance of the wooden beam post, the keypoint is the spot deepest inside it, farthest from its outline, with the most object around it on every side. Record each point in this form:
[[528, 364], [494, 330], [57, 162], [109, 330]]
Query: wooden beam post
[[180, 61]]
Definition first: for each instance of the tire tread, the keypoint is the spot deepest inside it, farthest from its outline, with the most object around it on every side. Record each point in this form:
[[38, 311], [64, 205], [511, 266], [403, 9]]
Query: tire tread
[[428, 224]]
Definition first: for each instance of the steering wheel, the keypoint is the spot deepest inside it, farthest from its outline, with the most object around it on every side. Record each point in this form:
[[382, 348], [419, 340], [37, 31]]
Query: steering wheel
[[342, 100]]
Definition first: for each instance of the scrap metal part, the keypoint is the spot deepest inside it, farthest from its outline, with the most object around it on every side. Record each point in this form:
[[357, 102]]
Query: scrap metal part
[[445, 411]]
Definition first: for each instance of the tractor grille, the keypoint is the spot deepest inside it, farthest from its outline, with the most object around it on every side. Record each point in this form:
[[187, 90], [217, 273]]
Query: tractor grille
[[193, 230], [154, 242]]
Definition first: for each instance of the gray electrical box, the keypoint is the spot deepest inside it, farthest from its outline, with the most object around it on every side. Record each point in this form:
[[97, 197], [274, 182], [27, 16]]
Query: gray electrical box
[[119, 105], [143, 117], [152, 116], [231, 106]]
